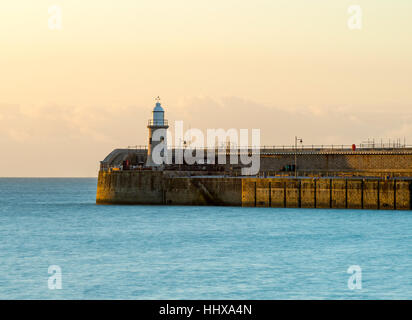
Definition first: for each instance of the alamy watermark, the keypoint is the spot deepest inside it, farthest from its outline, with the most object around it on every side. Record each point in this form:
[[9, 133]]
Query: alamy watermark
[[55, 279], [193, 147], [355, 280], [356, 17], [55, 17], [354, 21]]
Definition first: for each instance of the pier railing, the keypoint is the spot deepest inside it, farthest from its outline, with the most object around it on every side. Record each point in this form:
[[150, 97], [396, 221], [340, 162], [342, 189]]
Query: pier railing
[[158, 122], [291, 148]]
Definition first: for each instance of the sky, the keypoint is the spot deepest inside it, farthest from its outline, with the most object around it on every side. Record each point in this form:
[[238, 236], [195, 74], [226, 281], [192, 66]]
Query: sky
[[69, 96]]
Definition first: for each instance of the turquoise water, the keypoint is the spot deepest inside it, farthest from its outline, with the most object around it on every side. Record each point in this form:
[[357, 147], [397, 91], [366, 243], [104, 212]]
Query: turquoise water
[[153, 252]]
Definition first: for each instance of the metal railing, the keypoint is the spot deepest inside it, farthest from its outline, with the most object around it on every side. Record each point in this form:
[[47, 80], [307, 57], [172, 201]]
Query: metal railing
[[138, 147], [334, 147], [152, 122]]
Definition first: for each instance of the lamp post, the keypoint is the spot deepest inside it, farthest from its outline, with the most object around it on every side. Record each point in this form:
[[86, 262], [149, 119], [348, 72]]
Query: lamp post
[[300, 140]]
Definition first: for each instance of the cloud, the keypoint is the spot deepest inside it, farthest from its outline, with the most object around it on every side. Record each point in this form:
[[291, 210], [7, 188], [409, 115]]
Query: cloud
[[317, 124], [113, 125], [61, 123], [63, 140]]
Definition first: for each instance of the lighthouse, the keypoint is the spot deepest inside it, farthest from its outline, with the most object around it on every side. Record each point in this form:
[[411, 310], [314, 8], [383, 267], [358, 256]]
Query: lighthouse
[[157, 122]]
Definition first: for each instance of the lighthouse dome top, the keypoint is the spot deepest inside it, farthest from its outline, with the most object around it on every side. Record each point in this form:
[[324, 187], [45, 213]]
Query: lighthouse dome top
[[158, 116], [158, 107]]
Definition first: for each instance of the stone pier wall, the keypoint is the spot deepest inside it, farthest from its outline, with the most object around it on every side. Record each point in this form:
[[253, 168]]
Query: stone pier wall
[[163, 188], [355, 162], [327, 193]]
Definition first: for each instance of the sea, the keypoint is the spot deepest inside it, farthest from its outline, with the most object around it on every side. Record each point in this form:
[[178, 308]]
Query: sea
[[56, 243]]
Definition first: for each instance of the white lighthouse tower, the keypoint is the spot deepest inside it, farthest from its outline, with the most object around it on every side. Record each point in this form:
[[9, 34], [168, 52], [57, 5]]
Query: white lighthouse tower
[[157, 122]]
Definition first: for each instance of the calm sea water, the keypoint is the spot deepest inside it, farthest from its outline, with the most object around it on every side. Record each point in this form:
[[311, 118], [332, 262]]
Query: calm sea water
[[155, 252]]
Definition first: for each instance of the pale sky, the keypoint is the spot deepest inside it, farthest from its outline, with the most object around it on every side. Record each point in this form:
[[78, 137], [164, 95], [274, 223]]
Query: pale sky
[[68, 97]]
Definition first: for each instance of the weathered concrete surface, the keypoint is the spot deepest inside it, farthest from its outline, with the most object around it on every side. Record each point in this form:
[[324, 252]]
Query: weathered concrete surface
[[365, 163], [370, 194], [339, 194], [403, 195], [355, 194], [248, 192], [307, 194], [203, 191], [387, 195], [262, 193], [278, 194], [158, 187], [323, 193], [292, 193], [155, 187], [130, 187]]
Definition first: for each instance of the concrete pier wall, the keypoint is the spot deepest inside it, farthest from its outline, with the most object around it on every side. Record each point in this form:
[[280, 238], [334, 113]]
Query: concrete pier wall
[[130, 187], [157, 188], [335, 193], [162, 188], [359, 163], [203, 191]]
